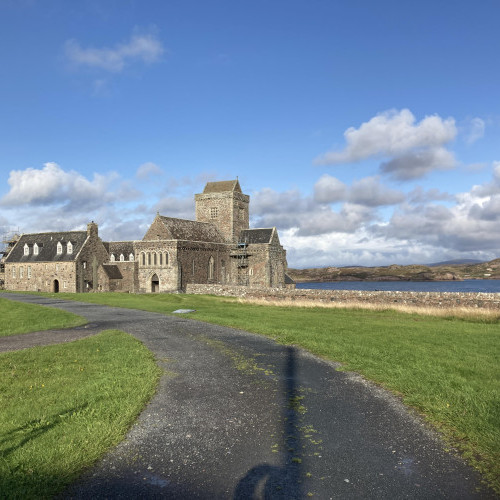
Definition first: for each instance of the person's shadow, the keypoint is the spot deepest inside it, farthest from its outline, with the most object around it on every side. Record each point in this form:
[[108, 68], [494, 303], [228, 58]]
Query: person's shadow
[[266, 481]]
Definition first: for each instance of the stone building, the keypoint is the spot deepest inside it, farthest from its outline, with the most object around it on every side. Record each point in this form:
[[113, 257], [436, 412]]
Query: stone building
[[216, 248]]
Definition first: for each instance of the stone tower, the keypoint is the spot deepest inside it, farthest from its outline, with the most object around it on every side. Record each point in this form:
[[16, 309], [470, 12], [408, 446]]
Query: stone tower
[[224, 205]]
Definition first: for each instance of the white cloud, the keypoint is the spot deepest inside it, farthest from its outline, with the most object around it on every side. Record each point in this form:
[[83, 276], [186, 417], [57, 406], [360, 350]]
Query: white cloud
[[52, 184], [328, 189], [412, 149], [371, 193], [392, 133], [474, 130], [144, 48], [417, 164], [148, 170]]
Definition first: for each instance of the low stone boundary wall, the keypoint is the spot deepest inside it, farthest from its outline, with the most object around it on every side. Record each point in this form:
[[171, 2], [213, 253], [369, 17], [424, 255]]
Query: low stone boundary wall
[[419, 299]]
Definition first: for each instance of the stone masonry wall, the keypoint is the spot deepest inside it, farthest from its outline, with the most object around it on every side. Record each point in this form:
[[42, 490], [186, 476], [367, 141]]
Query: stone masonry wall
[[419, 299]]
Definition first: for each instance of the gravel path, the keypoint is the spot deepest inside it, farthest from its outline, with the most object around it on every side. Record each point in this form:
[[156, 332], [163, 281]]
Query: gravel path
[[239, 416]]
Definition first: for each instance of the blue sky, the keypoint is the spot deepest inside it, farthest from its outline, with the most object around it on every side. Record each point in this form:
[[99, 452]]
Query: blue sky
[[366, 132]]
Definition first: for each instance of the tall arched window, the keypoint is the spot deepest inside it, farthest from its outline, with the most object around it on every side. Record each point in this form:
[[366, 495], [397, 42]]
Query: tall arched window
[[211, 268], [166, 258], [149, 258], [160, 256], [154, 258], [143, 258]]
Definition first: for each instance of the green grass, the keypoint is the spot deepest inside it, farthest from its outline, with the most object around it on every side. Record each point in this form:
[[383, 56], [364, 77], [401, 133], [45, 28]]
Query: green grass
[[23, 318], [446, 368], [63, 406]]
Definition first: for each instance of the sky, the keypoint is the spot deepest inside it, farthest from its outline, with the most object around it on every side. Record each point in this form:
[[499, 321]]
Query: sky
[[367, 132]]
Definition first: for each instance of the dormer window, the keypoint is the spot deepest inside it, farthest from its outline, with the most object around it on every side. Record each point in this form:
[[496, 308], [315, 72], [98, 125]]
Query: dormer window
[[26, 249], [122, 257], [59, 248], [69, 247], [131, 257], [36, 249], [112, 257]]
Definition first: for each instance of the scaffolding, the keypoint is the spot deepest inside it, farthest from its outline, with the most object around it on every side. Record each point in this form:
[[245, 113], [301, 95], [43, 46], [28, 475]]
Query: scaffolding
[[241, 255], [7, 242]]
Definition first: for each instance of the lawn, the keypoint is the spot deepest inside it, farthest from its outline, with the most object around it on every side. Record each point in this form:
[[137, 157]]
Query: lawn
[[23, 318], [63, 406], [446, 368]]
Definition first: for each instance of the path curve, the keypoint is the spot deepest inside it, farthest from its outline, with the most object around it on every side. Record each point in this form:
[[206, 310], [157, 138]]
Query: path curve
[[237, 416]]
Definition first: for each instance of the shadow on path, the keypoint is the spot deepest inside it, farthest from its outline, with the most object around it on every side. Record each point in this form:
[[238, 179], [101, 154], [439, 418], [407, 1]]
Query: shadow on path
[[269, 481]]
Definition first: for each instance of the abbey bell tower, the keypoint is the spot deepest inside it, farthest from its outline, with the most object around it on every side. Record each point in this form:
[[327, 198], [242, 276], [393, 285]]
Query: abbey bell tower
[[224, 205]]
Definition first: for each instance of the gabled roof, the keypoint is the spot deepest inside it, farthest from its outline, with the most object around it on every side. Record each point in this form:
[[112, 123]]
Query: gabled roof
[[112, 271], [47, 247], [222, 187], [190, 230], [118, 247], [252, 236]]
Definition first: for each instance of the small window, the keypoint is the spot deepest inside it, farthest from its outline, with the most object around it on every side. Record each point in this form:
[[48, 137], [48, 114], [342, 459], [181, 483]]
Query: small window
[[26, 249], [57, 267], [59, 248], [122, 257], [29, 272], [154, 259], [193, 268], [149, 259], [161, 259], [84, 265], [21, 271], [143, 255], [69, 248], [250, 271], [13, 272], [131, 257], [36, 249], [214, 212], [211, 267], [65, 284], [166, 258], [112, 257]]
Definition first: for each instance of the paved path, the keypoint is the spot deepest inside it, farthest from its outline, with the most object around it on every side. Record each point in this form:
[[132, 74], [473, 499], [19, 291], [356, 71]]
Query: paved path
[[237, 416]]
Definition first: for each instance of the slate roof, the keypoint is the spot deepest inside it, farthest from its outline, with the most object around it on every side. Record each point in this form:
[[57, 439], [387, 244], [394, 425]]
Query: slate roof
[[252, 236], [118, 247], [190, 230], [222, 187], [112, 271], [47, 247]]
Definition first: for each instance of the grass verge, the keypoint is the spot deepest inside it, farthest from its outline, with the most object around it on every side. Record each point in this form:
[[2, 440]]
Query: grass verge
[[23, 318], [63, 406], [445, 367]]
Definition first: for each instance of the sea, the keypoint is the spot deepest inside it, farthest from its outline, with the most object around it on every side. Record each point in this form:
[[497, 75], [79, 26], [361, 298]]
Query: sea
[[466, 286]]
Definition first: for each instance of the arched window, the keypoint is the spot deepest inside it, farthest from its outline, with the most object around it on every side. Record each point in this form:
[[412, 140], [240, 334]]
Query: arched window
[[143, 256], [160, 256], [166, 258], [36, 249], [149, 259], [122, 257], [26, 249], [211, 268], [154, 258], [112, 257], [59, 248], [131, 257], [69, 247]]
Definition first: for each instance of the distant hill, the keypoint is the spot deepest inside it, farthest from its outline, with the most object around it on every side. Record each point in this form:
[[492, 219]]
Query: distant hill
[[456, 262], [435, 272]]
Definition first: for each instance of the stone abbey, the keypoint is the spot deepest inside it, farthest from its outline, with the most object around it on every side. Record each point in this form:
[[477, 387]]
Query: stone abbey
[[216, 248]]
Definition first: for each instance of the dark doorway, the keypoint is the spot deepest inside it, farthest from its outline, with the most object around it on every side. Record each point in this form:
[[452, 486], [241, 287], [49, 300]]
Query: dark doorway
[[155, 283], [55, 286]]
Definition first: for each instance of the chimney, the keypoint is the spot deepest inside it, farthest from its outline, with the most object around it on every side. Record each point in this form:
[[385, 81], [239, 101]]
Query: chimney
[[92, 230]]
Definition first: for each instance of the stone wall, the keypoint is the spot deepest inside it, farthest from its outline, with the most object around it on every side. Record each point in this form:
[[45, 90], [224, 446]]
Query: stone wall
[[419, 299]]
